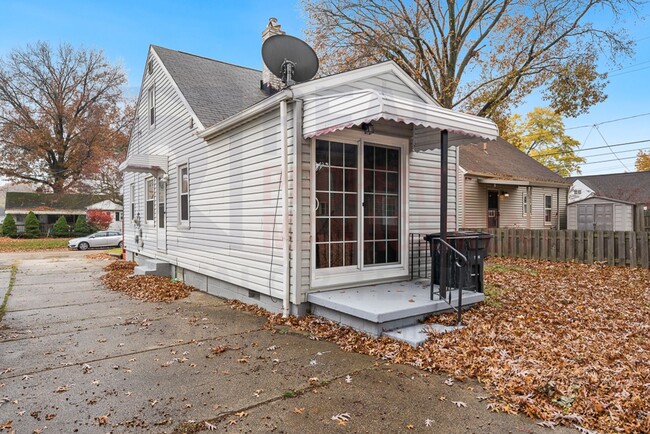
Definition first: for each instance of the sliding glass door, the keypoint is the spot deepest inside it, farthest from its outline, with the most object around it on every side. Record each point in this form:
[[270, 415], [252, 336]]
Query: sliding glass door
[[358, 196]]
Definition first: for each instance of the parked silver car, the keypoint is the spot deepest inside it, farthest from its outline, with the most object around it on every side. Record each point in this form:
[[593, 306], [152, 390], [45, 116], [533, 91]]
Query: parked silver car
[[98, 239]]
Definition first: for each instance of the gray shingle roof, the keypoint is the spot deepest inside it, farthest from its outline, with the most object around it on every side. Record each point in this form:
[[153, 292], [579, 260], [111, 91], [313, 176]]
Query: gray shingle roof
[[503, 160], [215, 90], [21, 201], [629, 187]]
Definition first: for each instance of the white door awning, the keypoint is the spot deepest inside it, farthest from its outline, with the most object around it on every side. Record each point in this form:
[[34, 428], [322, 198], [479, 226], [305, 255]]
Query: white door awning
[[143, 163], [328, 113]]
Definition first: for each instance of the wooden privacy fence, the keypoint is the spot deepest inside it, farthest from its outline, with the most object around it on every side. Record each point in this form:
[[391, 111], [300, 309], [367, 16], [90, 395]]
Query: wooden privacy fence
[[616, 248]]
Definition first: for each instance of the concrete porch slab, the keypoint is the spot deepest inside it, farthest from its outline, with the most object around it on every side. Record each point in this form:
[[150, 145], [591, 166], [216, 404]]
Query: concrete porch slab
[[389, 301], [376, 309]]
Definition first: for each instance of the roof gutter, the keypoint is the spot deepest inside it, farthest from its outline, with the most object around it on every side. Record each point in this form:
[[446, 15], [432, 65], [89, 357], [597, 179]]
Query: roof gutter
[[490, 179], [258, 109]]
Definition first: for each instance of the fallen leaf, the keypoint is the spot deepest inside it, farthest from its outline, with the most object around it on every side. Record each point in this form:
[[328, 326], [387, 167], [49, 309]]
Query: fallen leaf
[[102, 420], [410, 426], [459, 404], [241, 414], [210, 427], [300, 410], [50, 416], [232, 422], [61, 389]]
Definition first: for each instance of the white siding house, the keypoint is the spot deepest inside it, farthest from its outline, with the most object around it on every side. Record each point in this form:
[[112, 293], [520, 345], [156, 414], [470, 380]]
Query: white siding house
[[501, 187], [267, 198]]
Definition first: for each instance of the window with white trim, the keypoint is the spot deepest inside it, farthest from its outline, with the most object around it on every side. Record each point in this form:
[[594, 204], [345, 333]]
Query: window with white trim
[[152, 106], [548, 208], [524, 204], [132, 198], [150, 196], [184, 195]]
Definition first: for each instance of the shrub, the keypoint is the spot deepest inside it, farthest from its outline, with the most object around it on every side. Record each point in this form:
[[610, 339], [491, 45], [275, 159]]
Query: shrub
[[32, 226], [100, 220], [9, 226], [81, 228], [61, 228]]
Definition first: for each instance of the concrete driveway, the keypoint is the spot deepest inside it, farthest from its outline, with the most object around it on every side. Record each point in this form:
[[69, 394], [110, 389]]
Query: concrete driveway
[[76, 357]]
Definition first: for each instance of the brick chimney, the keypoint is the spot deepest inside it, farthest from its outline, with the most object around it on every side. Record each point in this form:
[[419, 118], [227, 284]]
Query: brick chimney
[[270, 82]]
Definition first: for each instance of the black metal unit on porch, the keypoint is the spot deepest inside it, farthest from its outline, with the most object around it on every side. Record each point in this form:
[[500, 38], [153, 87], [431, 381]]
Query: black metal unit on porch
[[453, 264]]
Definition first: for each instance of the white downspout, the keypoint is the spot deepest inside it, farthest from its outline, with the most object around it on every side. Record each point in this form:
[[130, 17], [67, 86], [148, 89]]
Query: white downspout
[[286, 244], [296, 220]]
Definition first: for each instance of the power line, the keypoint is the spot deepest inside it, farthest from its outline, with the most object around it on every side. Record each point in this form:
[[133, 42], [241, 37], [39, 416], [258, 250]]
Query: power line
[[608, 161], [548, 154], [609, 121], [610, 148]]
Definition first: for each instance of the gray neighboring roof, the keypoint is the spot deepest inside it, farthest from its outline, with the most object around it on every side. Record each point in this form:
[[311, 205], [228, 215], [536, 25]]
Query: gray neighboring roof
[[44, 203], [631, 187], [215, 90], [502, 160]]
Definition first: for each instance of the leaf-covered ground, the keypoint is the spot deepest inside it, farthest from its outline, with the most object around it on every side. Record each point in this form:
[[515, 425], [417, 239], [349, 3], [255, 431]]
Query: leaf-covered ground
[[119, 277], [26, 245], [567, 343]]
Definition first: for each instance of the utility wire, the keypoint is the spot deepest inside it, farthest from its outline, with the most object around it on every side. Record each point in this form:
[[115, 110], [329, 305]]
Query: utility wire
[[609, 121], [547, 154], [611, 149], [607, 161]]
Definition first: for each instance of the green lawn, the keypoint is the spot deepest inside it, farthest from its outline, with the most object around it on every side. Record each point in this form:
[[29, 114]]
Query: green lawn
[[22, 244]]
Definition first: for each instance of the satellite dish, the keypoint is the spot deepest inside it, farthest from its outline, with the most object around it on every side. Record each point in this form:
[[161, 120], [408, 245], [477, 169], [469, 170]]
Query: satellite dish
[[289, 58]]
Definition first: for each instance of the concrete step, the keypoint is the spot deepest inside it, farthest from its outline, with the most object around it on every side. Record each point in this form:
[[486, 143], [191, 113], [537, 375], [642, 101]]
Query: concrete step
[[154, 267], [416, 335]]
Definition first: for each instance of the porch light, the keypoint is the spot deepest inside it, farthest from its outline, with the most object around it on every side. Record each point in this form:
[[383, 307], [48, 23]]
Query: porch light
[[504, 194], [368, 128]]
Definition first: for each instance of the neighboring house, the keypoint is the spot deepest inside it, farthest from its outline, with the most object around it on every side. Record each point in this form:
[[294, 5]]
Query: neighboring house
[[268, 198], [48, 207], [113, 209], [614, 202], [502, 187]]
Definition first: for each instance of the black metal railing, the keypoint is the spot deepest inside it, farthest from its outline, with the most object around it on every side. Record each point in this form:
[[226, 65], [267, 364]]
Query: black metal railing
[[455, 264]]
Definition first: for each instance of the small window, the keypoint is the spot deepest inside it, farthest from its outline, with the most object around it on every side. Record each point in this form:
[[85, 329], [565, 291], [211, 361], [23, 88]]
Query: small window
[[132, 198], [117, 216], [150, 66], [152, 106], [149, 194], [548, 208], [184, 189], [524, 204]]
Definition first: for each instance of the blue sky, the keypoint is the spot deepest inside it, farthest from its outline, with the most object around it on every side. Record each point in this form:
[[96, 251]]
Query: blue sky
[[230, 31]]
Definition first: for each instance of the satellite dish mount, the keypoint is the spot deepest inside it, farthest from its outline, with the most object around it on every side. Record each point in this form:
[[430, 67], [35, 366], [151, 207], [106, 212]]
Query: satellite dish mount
[[288, 68], [290, 59]]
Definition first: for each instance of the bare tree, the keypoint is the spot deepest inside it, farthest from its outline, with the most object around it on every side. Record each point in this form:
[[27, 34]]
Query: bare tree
[[62, 112], [480, 56]]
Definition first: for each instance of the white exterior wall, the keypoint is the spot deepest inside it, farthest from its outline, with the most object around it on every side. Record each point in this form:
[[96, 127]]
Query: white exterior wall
[[235, 213]]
